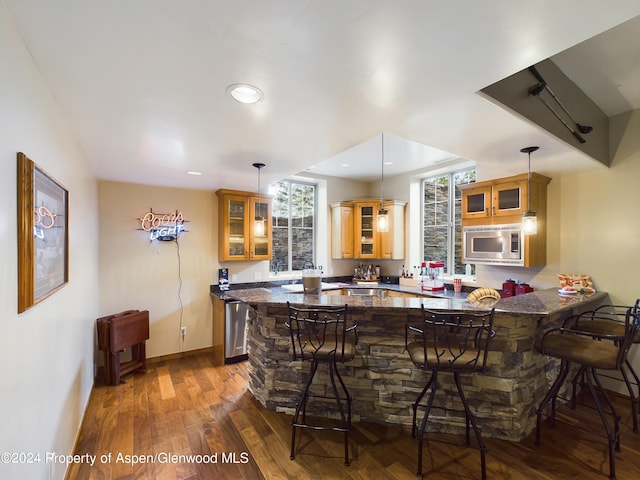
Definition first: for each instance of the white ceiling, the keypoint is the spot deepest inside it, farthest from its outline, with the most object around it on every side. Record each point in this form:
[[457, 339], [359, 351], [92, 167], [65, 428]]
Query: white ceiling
[[143, 82]]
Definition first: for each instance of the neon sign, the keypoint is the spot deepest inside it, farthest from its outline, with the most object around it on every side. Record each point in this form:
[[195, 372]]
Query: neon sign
[[165, 227], [43, 220]]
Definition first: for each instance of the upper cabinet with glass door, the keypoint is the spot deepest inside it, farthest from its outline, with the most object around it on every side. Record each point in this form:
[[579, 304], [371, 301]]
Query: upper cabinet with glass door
[[260, 227], [501, 200], [367, 238], [354, 231], [240, 238]]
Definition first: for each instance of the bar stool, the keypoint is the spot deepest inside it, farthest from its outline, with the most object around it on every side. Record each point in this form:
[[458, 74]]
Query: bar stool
[[321, 335], [609, 319], [455, 342], [592, 354]]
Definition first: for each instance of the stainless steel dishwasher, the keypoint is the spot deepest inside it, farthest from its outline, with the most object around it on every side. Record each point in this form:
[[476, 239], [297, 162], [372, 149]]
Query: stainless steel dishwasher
[[235, 331]]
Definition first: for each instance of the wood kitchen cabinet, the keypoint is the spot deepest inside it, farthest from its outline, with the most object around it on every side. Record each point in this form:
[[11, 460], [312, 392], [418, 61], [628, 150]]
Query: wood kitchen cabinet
[[237, 238], [392, 242], [218, 317], [354, 233], [342, 230], [502, 200]]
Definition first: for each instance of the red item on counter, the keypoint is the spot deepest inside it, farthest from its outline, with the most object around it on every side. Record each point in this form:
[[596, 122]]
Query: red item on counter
[[509, 289], [523, 288]]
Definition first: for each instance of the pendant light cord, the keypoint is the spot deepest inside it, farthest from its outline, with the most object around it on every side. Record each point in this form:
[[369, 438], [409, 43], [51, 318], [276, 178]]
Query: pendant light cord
[[382, 176], [529, 185], [528, 151]]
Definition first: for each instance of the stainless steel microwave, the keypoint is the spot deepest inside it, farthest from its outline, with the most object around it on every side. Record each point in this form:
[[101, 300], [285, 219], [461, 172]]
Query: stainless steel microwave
[[494, 244]]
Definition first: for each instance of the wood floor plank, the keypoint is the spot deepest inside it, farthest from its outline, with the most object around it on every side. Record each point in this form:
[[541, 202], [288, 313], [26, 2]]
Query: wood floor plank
[[189, 406], [166, 384]]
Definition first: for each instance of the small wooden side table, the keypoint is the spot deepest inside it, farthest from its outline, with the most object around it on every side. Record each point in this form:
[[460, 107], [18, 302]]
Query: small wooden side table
[[116, 333]]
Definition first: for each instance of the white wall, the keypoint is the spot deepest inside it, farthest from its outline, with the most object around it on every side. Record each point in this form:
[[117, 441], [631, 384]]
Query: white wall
[[170, 279], [46, 352]]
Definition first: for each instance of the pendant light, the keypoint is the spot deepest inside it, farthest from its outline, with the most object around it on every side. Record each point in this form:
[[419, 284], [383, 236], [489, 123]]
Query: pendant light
[[529, 218], [258, 226], [382, 222]]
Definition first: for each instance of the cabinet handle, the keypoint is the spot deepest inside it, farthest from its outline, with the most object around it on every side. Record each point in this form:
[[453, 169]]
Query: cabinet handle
[[487, 212], [493, 210]]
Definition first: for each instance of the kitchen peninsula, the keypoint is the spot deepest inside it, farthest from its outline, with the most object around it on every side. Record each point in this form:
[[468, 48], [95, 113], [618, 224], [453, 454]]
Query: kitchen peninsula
[[382, 379]]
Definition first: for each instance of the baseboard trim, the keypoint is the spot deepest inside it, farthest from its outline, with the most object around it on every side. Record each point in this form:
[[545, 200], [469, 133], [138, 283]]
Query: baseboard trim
[[173, 356]]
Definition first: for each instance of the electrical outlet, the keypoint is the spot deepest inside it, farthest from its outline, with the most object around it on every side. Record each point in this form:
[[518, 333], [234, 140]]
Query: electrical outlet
[[183, 331]]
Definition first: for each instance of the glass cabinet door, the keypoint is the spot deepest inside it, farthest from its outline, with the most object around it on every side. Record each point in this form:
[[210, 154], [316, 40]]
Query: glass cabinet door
[[476, 202], [236, 228], [366, 235], [509, 198], [261, 234]]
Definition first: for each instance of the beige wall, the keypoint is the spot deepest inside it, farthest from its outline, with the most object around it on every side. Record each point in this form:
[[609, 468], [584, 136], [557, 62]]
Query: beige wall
[[170, 279], [599, 226], [46, 353]]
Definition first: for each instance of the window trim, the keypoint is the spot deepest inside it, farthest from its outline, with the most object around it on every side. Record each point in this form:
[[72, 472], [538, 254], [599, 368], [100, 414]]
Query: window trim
[[290, 272], [450, 261]]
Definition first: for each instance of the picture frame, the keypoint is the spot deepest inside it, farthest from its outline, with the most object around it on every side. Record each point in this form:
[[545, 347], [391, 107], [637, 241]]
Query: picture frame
[[43, 234]]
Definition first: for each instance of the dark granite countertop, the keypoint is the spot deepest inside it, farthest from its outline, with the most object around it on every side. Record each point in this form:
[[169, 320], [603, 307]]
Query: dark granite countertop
[[539, 302]]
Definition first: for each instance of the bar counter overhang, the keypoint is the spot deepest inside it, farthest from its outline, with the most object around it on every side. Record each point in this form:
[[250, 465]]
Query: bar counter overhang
[[383, 381]]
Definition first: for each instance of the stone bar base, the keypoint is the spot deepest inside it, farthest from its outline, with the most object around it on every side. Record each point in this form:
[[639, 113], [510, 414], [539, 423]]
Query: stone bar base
[[384, 382]]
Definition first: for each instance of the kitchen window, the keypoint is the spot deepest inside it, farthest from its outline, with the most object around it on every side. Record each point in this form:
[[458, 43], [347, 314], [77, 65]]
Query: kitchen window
[[441, 220], [294, 221]]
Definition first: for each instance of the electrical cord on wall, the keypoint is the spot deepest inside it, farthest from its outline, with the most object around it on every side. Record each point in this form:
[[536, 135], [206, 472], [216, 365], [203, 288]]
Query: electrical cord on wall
[[182, 332]]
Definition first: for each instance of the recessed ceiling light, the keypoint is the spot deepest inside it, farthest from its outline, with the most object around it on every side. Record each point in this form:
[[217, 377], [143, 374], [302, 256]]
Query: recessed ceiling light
[[345, 165], [194, 172], [244, 93]]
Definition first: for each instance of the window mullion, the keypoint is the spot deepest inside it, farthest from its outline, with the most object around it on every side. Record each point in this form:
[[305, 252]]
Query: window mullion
[[450, 233], [290, 230]]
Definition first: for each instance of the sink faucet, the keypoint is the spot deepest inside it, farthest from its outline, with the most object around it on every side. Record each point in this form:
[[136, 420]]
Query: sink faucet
[[276, 267]]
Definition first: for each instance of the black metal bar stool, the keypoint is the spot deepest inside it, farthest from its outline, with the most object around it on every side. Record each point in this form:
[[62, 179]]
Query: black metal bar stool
[[449, 342], [609, 319], [322, 335], [592, 352]]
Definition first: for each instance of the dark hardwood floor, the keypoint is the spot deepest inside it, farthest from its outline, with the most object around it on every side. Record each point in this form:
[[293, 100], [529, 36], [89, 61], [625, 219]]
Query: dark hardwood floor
[[187, 406]]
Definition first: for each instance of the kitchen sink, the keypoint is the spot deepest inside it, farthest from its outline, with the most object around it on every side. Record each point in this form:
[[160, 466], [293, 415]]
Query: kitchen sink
[[371, 292]]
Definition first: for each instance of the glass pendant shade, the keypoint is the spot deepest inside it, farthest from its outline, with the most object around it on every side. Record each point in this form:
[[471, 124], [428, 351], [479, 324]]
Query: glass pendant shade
[[383, 220], [529, 222], [259, 222], [258, 227], [529, 218]]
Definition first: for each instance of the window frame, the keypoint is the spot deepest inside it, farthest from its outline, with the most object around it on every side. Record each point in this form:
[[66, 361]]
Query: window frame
[[450, 261], [290, 227]]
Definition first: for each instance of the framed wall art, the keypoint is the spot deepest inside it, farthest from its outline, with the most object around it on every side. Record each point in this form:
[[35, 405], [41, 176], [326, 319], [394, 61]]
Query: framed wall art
[[43, 236]]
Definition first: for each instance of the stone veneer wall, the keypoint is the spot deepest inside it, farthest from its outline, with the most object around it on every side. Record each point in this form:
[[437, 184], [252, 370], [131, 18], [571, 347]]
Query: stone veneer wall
[[384, 383], [302, 248]]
